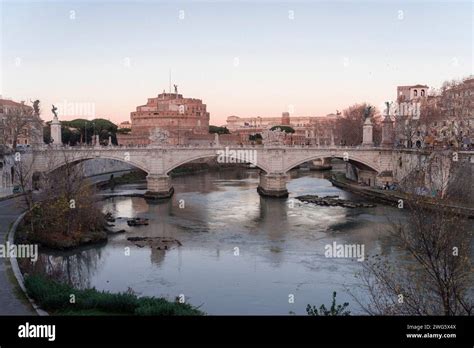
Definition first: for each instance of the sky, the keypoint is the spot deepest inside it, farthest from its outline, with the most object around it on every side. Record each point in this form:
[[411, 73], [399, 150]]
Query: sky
[[243, 58]]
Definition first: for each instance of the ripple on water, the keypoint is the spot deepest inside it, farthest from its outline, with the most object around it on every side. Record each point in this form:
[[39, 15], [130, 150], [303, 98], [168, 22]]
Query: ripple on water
[[281, 248]]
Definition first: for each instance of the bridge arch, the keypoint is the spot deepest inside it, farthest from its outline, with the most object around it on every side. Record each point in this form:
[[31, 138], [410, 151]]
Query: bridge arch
[[61, 163], [203, 156], [352, 159]]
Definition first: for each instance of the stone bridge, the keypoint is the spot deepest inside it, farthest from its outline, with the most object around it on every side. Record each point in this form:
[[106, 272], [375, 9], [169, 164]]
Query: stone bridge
[[157, 161]]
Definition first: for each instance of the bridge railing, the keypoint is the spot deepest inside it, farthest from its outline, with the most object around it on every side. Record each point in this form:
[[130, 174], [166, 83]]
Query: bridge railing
[[49, 147], [191, 146]]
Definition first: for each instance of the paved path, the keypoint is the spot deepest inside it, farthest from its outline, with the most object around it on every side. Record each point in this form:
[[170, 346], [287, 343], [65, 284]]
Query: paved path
[[10, 304], [10, 209]]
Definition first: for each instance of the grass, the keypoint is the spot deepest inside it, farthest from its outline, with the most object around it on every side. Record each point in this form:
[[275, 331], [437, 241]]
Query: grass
[[55, 298]]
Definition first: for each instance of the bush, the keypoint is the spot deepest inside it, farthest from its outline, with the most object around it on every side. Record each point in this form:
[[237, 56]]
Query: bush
[[335, 310], [160, 306], [55, 297]]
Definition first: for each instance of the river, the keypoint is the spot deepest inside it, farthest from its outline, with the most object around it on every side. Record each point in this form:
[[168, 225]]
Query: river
[[240, 253]]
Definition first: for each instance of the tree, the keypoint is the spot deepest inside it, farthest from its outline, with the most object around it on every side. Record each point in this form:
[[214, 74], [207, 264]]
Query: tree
[[218, 130], [82, 131], [23, 175], [435, 275], [19, 120], [348, 130], [286, 129]]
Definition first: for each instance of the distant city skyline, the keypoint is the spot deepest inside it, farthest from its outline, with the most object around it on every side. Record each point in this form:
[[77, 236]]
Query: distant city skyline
[[241, 58]]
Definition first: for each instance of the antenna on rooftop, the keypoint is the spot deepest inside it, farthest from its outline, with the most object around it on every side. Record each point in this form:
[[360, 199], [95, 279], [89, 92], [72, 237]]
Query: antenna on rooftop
[[169, 90]]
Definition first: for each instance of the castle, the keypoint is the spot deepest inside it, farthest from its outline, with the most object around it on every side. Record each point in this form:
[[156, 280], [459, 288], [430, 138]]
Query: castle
[[183, 118]]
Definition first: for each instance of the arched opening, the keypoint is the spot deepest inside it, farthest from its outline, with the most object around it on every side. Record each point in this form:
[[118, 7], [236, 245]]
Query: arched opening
[[349, 159], [356, 169], [243, 159]]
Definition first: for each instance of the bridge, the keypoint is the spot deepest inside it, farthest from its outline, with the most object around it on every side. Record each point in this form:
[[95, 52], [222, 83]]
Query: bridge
[[274, 162]]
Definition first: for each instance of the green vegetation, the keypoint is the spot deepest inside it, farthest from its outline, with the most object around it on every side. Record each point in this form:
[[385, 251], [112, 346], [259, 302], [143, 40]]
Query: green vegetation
[[335, 310], [218, 130], [81, 130], [255, 137], [286, 129], [190, 168], [55, 297]]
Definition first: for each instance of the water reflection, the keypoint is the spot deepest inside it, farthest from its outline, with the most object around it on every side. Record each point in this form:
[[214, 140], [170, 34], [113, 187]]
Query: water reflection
[[280, 245]]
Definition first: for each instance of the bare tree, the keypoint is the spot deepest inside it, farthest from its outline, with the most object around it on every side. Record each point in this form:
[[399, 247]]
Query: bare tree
[[23, 175], [67, 192], [434, 275], [349, 126], [20, 120]]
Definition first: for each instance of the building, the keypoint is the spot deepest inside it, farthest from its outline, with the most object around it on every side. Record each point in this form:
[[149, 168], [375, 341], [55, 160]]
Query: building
[[19, 123], [180, 117], [308, 129], [410, 93], [442, 120], [124, 125]]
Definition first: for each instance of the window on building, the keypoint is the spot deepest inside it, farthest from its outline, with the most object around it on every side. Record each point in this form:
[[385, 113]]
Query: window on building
[[422, 92], [415, 93]]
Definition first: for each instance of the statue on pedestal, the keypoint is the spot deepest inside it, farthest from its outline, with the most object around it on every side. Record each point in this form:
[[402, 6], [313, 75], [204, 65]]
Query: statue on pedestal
[[388, 105], [54, 111], [367, 112], [36, 107]]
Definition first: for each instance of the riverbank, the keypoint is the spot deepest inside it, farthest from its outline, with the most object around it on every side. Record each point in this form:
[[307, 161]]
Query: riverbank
[[393, 197], [55, 297]]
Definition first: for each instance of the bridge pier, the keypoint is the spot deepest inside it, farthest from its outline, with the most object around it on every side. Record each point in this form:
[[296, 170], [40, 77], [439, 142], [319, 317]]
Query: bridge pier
[[158, 186], [273, 185]]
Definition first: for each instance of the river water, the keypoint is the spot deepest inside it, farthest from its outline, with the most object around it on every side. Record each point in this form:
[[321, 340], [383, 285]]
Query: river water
[[240, 253]]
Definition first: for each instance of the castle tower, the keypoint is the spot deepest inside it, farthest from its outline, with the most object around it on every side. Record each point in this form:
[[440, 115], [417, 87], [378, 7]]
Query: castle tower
[[56, 131], [367, 133]]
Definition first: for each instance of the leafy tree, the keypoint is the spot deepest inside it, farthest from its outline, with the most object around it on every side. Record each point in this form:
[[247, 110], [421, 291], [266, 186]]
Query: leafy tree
[[218, 130], [286, 129], [255, 137], [81, 130]]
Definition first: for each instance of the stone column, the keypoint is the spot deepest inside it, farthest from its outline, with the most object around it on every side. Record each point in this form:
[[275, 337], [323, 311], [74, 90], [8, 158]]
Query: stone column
[[387, 132], [273, 185], [158, 186], [367, 136], [55, 128]]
